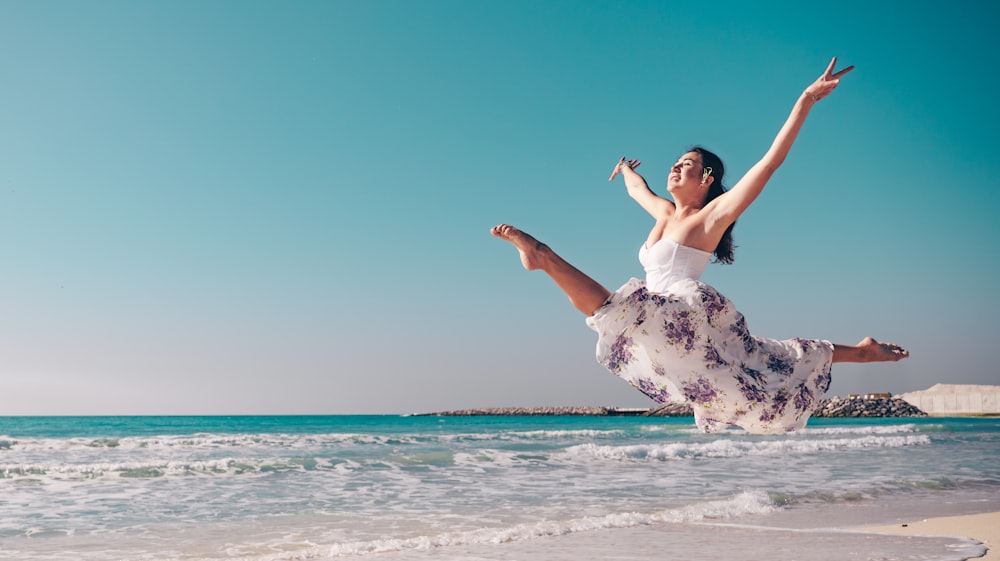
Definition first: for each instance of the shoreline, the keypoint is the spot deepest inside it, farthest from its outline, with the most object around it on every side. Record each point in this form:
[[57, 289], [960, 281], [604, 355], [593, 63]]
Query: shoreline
[[984, 528], [932, 537]]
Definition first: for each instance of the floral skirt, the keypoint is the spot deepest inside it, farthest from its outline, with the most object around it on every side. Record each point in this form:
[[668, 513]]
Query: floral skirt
[[690, 344]]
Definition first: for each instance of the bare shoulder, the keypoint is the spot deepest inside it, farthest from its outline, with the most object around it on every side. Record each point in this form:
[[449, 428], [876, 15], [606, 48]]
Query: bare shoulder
[[666, 209]]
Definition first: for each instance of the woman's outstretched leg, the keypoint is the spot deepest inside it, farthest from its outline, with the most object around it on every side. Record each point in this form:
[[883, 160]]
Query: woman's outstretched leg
[[584, 292], [869, 350]]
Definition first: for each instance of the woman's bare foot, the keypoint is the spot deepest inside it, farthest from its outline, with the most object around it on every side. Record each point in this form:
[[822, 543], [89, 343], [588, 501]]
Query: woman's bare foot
[[531, 250], [881, 352], [869, 350], [586, 294]]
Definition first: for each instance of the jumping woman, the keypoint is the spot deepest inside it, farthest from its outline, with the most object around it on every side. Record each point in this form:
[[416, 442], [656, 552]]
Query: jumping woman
[[675, 338]]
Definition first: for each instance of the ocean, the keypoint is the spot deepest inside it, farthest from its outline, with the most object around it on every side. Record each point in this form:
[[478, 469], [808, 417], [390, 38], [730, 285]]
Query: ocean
[[484, 488]]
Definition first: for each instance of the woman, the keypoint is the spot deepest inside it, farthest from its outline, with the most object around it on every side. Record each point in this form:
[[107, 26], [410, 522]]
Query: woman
[[674, 337]]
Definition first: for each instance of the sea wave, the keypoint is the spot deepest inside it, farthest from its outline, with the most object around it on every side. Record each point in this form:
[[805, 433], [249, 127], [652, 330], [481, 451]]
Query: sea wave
[[738, 448], [306, 441], [150, 468], [868, 429], [295, 441], [242, 455], [750, 502]]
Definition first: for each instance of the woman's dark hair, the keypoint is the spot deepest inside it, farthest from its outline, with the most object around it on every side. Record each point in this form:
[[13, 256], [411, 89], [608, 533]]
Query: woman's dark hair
[[724, 251]]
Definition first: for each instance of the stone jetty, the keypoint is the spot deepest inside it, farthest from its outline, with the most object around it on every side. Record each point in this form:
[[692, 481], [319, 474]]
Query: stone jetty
[[866, 406], [592, 411], [876, 405]]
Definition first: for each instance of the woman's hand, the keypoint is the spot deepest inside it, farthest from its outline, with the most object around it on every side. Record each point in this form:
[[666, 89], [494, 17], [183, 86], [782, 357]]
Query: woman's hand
[[632, 164], [827, 82]]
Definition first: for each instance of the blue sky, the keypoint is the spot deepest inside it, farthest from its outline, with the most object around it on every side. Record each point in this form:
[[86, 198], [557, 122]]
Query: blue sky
[[283, 207]]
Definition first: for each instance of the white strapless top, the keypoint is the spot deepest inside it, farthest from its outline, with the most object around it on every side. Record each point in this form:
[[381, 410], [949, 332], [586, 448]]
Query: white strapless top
[[668, 262]]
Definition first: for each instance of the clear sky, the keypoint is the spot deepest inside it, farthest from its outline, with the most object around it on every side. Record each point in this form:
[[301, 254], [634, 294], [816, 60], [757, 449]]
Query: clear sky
[[244, 207]]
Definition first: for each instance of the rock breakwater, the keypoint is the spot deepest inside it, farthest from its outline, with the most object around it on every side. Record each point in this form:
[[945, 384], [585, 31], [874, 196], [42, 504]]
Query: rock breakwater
[[593, 411], [852, 406], [856, 406]]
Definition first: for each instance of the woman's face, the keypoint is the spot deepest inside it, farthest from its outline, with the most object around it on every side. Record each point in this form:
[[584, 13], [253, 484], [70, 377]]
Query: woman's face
[[687, 171]]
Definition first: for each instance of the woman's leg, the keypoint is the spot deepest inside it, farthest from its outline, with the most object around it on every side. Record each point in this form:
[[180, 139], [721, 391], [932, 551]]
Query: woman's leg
[[584, 292], [869, 350]]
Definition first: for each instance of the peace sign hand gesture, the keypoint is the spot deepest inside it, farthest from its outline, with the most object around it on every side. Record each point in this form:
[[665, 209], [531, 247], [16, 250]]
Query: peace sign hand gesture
[[827, 82]]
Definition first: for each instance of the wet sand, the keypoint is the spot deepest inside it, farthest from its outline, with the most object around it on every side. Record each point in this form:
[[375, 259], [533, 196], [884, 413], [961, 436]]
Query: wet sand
[[982, 527]]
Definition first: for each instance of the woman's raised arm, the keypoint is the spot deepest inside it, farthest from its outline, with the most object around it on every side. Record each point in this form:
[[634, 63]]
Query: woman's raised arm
[[728, 207], [637, 188]]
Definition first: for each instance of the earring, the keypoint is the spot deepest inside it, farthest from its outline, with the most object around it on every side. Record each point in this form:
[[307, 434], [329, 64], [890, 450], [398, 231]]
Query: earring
[[706, 174]]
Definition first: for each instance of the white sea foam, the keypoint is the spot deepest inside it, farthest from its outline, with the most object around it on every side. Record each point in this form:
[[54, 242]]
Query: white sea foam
[[738, 448], [80, 459], [744, 503], [155, 468], [672, 429], [292, 441], [871, 429]]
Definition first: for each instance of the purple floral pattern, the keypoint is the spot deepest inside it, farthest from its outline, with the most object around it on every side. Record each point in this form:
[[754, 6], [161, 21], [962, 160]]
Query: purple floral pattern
[[739, 329], [779, 365], [693, 345], [803, 398], [752, 384], [712, 302], [822, 382], [679, 330], [658, 394], [780, 400], [712, 357], [700, 391], [620, 354]]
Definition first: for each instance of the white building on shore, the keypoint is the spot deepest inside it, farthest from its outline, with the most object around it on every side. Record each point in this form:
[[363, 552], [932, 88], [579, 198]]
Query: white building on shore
[[944, 400]]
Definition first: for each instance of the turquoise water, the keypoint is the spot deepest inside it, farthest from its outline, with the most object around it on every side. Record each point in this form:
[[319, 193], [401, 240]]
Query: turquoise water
[[327, 487]]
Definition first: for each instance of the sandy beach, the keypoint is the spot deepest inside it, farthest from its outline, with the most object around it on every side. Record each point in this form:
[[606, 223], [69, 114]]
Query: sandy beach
[[720, 541], [982, 527]]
